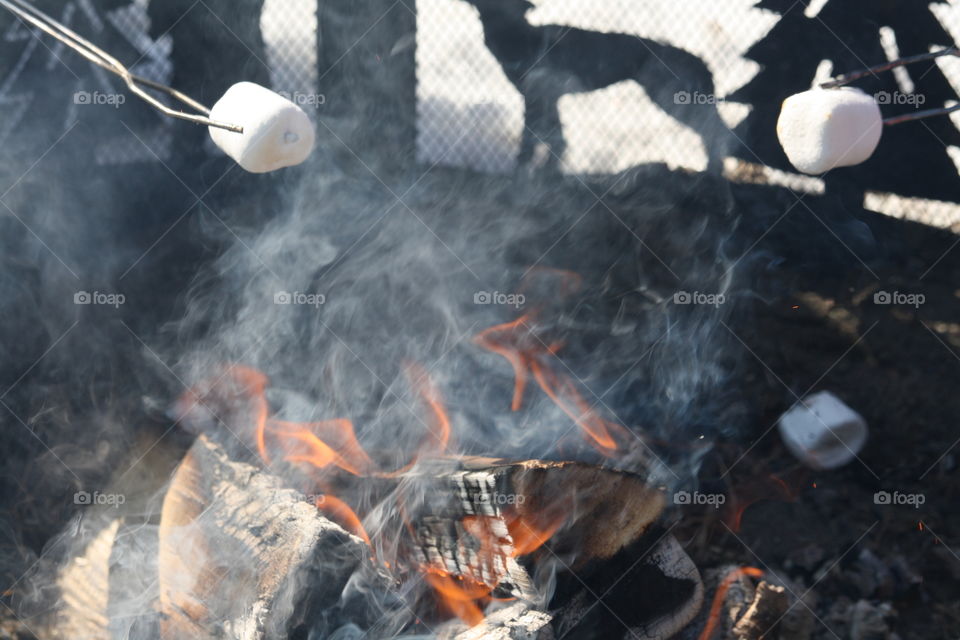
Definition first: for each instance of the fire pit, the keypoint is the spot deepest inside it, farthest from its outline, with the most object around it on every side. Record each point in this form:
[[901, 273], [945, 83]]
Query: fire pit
[[500, 320]]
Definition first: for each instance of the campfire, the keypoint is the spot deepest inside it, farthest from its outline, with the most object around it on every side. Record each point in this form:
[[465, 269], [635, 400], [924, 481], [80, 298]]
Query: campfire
[[267, 521], [478, 319], [457, 543]]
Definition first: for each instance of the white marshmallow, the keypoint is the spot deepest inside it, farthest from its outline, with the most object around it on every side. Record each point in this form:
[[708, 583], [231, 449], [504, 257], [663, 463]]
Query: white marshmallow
[[276, 132], [822, 431], [822, 129]]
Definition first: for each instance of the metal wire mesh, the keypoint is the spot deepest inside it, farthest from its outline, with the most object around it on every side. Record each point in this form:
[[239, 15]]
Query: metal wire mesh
[[461, 86], [469, 113], [153, 62], [289, 29]]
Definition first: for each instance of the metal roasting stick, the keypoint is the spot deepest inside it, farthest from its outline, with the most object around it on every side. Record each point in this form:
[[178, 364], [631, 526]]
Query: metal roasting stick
[[30, 14], [847, 78]]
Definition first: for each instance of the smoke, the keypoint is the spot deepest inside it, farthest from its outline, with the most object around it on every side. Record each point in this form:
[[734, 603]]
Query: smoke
[[346, 284], [332, 279]]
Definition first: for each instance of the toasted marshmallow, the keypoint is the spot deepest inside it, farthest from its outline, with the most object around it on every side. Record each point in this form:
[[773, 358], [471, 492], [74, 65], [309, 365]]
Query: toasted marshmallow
[[822, 129], [276, 132]]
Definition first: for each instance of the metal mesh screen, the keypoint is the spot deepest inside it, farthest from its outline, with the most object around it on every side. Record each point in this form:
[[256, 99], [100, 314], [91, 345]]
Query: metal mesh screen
[[461, 87], [153, 62], [469, 113], [289, 29]]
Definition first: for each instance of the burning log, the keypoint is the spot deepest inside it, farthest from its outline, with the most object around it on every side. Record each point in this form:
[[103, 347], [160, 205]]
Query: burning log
[[515, 622], [241, 555], [612, 508], [465, 526], [492, 512], [236, 548]]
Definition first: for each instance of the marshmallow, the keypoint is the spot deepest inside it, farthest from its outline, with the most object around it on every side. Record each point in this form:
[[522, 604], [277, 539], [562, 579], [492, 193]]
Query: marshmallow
[[822, 431], [822, 129], [276, 132]]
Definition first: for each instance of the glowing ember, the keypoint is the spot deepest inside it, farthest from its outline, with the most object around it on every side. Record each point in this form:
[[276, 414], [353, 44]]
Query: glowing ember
[[713, 618]]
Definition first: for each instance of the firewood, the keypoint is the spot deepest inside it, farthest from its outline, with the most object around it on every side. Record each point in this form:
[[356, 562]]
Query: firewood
[[670, 558], [133, 580], [768, 606], [514, 622], [608, 509], [235, 547], [606, 601], [590, 512], [235, 542], [84, 586]]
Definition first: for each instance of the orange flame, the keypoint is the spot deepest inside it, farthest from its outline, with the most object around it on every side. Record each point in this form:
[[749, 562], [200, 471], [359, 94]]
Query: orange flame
[[539, 361], [462, 597], [466, 597], [529, 535], [564, 394], [322, 443], [488, 338], [439, 426], [528, 355], [754, 490], [218, 399], [238, 398], [341, 513], [713, 618]]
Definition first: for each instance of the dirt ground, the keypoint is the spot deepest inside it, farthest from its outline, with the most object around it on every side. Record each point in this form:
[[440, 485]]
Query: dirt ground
[[897, 365]]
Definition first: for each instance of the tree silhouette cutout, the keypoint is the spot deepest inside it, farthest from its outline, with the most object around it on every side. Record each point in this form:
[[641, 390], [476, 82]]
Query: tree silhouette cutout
[[847, 33]]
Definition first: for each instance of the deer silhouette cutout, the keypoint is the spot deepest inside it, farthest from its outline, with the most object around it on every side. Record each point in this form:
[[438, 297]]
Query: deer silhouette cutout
[[546, 62]]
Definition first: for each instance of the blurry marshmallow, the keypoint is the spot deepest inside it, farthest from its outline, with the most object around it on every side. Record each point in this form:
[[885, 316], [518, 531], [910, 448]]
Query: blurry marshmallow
[[822, 431], [822, 129], [276, 132]]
